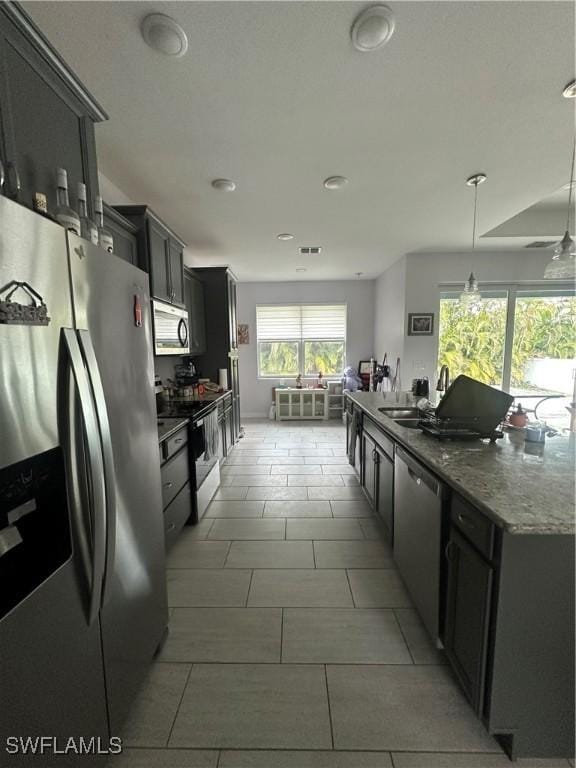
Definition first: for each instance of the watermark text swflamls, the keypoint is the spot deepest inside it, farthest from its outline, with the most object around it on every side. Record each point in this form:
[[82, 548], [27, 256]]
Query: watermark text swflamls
[[54, 745]]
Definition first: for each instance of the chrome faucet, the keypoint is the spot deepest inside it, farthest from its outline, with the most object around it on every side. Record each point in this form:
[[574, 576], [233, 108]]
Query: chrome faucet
[[443, 379]]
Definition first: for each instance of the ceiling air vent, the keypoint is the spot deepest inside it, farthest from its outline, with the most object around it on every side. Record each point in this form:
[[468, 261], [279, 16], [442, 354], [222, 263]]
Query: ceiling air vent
[[540, 244], [308, 250]]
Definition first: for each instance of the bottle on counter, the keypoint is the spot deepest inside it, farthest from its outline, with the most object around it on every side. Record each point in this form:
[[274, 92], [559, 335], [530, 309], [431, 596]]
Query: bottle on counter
[[105, 237], [64, 215], [88, 229]]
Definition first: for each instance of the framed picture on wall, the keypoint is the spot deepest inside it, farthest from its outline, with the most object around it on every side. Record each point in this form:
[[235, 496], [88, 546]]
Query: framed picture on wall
[[243, 333], [420, 324]]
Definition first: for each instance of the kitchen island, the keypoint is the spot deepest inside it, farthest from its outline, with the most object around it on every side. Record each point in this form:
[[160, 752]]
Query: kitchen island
[[483, 537]]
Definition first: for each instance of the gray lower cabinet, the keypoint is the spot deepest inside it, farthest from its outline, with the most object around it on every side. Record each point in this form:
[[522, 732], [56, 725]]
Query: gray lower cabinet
[[176, 515], [368, 474], [176, 491], [226, 425], [468, 596], [385, 490], [377, 473], [502, 604]]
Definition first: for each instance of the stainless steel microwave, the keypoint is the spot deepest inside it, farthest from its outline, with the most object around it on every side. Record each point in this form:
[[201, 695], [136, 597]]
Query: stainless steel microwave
[[171, 335]]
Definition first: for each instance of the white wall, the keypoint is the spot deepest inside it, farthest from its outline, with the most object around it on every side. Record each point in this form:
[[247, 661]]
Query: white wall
[[389, 310], [424, 273], [256, 394]]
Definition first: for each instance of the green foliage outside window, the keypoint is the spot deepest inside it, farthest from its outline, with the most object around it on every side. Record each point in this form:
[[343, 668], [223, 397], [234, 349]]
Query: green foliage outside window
[[281, 358], [473, 343], [326, 357], [278, 358], [543, 328]]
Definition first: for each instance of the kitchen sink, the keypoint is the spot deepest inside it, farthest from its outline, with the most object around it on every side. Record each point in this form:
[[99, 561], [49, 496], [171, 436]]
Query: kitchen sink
[[408, 423], [401, 413]]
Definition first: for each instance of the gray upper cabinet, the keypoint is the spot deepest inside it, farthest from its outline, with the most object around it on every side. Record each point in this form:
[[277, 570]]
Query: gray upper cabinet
[[194, 294], [46, 115], [158, 245], [160, 253], [176, 270], [124, 233]]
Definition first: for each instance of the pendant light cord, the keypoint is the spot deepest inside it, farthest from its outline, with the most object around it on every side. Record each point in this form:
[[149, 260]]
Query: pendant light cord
[[570, 188], [475, 204]]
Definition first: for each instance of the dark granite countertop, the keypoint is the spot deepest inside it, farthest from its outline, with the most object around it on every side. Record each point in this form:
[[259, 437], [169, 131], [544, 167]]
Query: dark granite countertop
[[520, 491], [167, 427]]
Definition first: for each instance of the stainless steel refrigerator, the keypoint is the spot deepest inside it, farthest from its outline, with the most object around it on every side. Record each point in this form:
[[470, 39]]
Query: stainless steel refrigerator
[[82, 582]]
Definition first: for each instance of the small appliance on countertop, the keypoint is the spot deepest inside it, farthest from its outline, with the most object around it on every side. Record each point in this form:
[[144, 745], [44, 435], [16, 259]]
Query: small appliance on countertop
[[421, 387]]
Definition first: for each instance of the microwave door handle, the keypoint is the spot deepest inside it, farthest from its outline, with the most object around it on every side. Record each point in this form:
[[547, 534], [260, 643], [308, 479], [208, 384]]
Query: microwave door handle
[[182, 337], [108, 457], [96, 489]]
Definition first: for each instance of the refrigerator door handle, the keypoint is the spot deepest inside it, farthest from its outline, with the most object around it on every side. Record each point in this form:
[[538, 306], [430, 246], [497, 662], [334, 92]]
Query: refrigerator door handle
[[96, 489], [108, 457]]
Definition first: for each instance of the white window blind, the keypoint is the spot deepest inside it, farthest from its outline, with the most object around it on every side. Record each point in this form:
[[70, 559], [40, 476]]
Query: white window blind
[[275, 323], [323, 321], [308, 321]]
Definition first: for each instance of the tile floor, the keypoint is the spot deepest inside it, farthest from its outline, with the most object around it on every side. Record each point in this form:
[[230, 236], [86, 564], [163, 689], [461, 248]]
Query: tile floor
[[293, 643]]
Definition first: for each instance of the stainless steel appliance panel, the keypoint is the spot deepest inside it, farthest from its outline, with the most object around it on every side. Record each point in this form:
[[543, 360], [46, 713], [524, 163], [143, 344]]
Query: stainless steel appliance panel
[[32, 250], [170, 326], [106, 293], [51, 674], [418, 503]]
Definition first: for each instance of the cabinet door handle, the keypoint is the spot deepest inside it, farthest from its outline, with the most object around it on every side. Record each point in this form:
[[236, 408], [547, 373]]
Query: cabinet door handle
[[168, 485], [179, 440], [414, 476], [466, 521], [448, 550], [171, 526]]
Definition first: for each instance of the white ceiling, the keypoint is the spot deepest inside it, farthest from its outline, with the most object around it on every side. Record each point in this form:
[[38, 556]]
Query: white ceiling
[[273, 96]]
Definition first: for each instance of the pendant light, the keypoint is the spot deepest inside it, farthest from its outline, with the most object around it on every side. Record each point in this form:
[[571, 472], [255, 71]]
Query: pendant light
[[470, 296], [563, 263]]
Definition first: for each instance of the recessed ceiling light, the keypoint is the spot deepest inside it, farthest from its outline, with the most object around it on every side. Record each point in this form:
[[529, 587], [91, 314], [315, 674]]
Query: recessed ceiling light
[[300, 269], [570, 91], [372, 28], [225, 185], [285, 236], [164, 35], [335, 182]]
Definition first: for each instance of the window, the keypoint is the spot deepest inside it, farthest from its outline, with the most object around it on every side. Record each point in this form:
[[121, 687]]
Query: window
[[301, 339], [521, 339], [473, 342]]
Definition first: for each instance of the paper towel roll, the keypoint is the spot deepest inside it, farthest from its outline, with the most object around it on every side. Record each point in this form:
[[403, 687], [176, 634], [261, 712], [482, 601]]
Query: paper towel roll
[[223, 378]]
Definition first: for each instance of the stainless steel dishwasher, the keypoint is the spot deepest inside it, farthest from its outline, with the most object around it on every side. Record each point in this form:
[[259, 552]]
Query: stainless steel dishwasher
[[418, 504]]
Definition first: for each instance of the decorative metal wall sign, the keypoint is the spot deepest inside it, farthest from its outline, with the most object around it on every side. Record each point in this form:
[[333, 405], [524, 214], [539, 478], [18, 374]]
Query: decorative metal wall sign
[[13, 312]]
